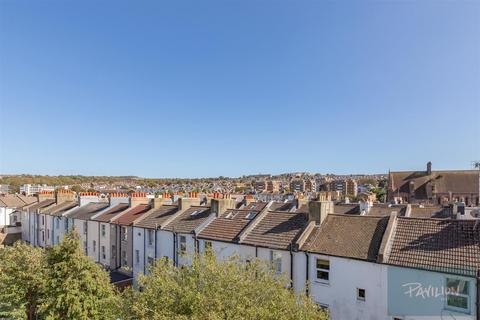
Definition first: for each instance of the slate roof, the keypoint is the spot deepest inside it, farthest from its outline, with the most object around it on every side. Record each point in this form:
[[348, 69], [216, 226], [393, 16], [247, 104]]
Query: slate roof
[[155, 218], [344, 208], [128, 217], [259, 206], [186, 223], [349, 236], [111, 213], [28, 199], [59, 209], [451, 246], [277, 230], [282, 206], [11, 201], [87, 211], [386, 210], [430, 212], [40, 205], [228, 226]]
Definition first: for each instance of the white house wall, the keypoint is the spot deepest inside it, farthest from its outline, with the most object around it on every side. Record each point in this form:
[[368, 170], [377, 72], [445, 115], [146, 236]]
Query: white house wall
[[340, 294]]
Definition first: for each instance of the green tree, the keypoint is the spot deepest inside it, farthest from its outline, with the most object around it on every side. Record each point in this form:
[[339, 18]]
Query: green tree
[[215, 290], [76, 287], [22, 281]]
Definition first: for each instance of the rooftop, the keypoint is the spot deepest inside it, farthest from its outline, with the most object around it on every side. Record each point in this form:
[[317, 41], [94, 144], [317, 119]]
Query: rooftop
[[61, 208], [349, 236], [277, 230], [128, 217], [451, 246], [87, 211], [155, 218], [229, 225], [112, 212], [189, 220]]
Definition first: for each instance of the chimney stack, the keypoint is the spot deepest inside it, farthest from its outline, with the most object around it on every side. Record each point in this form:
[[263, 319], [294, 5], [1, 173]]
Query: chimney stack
[[429, 168], [192, 200], [159, 201], [44, 195], [138, 198], [65, 195], [319, 210], [117, 198], [87, 197], [219, 204]]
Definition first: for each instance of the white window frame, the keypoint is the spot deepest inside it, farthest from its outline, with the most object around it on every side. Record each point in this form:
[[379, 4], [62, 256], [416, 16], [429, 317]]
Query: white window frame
[[364, 298], [137, 256], [182, 244], [104, 230], [276, 261], [319, 269], [124, 233], [150, 237], [104, 255], [466, 296]]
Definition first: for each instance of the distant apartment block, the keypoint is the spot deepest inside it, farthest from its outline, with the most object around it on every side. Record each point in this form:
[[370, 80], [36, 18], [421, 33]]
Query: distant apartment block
[[32, 189], [4, 188]]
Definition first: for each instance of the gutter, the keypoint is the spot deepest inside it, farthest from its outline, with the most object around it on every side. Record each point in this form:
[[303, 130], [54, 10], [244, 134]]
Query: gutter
[[307, 285]]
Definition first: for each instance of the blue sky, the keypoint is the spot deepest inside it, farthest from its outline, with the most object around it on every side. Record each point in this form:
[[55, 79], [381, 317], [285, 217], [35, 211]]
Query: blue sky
[[209, 88]]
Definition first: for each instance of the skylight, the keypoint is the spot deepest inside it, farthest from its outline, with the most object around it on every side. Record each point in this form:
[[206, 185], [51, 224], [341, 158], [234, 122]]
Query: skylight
[[250, 215]]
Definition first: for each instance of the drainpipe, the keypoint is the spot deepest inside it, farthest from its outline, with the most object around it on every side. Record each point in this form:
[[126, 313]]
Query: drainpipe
[[256, 252], [291, 266], [98, 249], [174, 249], [307, 285], [144, 253], [155, 230]]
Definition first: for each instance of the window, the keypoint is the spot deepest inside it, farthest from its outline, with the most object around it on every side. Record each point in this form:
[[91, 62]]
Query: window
[[43, 235], [208, 245], [150, 237], [85, 227], [458, 294], [103, 230], [250, 215], [124, 233], [194, 213], [85, 248], [150, 261], [137, 256], [360, 294], [94, 245], [182, 243], [276, 260], [323, 270], [113, 254], [124, 258], [104, 256], [48, 234]]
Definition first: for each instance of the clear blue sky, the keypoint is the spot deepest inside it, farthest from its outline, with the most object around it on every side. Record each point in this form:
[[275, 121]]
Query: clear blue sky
[[209, 88]]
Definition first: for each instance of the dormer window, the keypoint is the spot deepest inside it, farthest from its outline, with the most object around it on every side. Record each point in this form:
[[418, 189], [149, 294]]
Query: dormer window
[[250, 215]]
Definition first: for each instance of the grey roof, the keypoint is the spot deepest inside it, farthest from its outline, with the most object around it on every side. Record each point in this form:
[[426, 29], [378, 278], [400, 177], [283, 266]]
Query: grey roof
[[155, 218], [59, 209], [186, 223], [87, 211]]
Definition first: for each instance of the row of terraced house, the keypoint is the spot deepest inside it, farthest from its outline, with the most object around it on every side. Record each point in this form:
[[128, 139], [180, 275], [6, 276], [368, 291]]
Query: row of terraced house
[[361, 261]]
